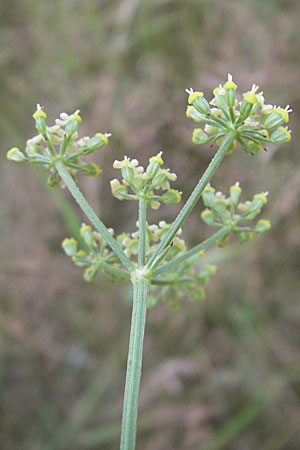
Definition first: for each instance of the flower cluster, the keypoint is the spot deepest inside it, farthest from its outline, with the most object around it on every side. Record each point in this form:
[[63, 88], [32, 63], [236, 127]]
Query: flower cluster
[[95, 256], [143, 183], [154, 234], [59, 143], [255, 123], [186, 280], [222, 211]]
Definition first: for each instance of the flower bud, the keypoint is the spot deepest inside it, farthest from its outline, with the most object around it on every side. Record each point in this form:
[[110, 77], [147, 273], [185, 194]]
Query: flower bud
[[207, 271], [245, 236], [52, 179], [222, 242], [250, 97], [159, 179], [262, 226], [209, 196], [258, 201], [91, 169], [193, 95], [154, 163], [219, 94], [207, 217], [73, 124], [69, 246], [31, 148], [127, 172], [235, 192], [96, 142], [171, 196], [253, 147], [192, 113], [230, 88], [201, 105], [281, 135], [39, 117], [233, 147], [86, 233], [284, 113], [230, 97], [198, 294], [119, 191], [15, 154], [154, 204], [272, 120], [80, 258], [245, 110], [90, 273], [199, 137]]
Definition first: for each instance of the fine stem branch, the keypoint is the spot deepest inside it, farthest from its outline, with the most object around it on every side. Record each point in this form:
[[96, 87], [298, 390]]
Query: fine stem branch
[[142, 232], [193, 251], [134, 364], [194, 197], [90, 213], [121, 274]]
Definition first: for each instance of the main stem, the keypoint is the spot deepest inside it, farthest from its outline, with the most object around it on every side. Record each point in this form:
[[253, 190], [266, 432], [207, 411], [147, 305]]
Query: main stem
[[192, 200], [134, 364], [90, 213]]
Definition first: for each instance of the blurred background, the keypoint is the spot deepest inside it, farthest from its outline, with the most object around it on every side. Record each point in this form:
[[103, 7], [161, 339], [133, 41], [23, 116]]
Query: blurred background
[[221, 374]]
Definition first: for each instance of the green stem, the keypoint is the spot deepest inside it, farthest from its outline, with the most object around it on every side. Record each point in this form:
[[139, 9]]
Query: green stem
[[123, 274], [211, 240], [194, 197], [90, 213], [142, 231], [134, 364]]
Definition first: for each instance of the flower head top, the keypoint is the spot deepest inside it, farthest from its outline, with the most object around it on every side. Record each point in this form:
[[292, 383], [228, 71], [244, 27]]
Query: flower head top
[[255, 123], [60, 142], [143, 183]]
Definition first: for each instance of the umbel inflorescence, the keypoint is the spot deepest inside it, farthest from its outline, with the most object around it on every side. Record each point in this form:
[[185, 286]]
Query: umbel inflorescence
[[253, 123], [154, 257], [60, 142], [256, 123]]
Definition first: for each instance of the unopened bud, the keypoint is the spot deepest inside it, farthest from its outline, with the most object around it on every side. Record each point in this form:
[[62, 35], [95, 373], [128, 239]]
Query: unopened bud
[[245, 236], [171, 196], [69, 246], [86, 233], [52, 179], [91, 169], [199, 136], [127, 172], [262, 226], [235, 192], [73, 124], [90, 273], [222, 242], [281, 135], [207, 217], [159, 179], [154, 164], [272, 120], [97, 141], [192, 113], [14, 154], [201, 105]]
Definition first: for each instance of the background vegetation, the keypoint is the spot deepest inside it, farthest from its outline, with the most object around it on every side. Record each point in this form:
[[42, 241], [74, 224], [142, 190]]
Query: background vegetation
[[221, 375]]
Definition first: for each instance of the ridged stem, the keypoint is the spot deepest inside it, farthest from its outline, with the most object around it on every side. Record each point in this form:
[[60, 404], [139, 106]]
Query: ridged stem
[[90, 213], [192, 200], [134, 364]]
